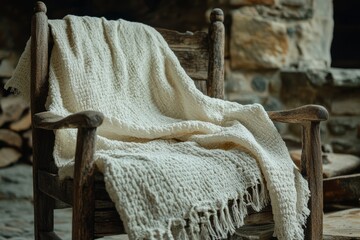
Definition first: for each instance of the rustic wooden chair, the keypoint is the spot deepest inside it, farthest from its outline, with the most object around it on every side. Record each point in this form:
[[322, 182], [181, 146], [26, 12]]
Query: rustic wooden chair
[[94, 215]]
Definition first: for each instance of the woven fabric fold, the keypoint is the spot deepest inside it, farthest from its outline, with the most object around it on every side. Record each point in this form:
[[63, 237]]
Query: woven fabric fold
[[176, 163]]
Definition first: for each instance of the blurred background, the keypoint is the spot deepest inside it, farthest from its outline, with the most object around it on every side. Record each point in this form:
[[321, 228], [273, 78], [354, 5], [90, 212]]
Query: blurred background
[[280, 53]]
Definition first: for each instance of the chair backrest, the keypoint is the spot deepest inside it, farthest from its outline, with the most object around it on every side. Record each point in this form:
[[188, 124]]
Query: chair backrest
[[201, 54]]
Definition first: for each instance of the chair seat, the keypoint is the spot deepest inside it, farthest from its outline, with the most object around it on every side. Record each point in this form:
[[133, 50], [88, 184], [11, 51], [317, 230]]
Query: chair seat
[[107, 219]]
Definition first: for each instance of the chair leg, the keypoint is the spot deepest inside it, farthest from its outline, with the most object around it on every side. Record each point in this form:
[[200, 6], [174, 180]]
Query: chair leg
[[312, 169], [84, 195], [43, 215]]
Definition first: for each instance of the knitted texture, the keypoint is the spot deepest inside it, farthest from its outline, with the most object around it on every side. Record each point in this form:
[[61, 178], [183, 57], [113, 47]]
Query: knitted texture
[[177, 164]]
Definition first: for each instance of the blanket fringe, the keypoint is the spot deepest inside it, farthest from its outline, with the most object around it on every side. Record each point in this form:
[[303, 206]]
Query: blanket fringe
[[213, 219], [207, 222]]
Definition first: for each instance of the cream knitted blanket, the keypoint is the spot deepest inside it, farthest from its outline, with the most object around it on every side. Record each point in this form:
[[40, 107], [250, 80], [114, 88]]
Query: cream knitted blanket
[[170, 155]]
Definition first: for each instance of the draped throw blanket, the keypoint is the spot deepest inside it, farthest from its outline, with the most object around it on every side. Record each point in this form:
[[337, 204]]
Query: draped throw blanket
[[176, 163]]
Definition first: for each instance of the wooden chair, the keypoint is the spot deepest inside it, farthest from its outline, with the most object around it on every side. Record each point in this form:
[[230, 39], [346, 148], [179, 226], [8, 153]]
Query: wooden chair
[[94, 215]]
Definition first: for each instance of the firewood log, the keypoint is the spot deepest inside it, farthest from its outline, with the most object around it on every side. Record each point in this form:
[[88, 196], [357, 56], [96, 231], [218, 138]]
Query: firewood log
[[8, 156], [22, 124], [10, 138], [28, 138], [12, 108]]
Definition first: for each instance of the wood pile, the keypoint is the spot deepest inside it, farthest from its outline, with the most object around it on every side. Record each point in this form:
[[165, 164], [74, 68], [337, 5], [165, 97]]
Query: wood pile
[[15, 132]]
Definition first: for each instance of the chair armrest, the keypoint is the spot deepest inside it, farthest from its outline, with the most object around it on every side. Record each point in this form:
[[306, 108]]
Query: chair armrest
[[307, 113], [309, 117], [51, 121], [83, 191]]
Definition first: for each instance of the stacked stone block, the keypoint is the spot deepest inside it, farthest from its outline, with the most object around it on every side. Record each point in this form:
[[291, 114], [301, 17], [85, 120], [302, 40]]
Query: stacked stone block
[[279, 56], [339, 91]]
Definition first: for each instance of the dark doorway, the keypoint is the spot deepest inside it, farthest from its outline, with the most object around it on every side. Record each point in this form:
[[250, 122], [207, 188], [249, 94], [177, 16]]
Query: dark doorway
[[345, 48]]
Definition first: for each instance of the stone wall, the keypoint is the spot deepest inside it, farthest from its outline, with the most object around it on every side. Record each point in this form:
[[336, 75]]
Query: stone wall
[[277, 52], [278, 34], [279, 56], [338, 90]]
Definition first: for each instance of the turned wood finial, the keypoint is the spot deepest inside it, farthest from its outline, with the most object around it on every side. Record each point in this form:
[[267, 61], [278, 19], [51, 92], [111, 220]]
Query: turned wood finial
[[217, 15], [40, 7]]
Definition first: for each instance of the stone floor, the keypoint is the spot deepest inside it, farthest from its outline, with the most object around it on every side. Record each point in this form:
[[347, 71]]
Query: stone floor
[[16, 209]]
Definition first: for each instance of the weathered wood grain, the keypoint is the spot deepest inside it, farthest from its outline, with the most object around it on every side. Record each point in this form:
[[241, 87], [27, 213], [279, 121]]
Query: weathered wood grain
[[51, 121], [216, 54], [254, 232], [201, 85], [187, 40], [50, 184], [108, 229], [301, 114], [343, 189], [42, 153], [195, 63], [265, 216], [311, 169], [84, 197], [63, 190], [192, 50], [309, 118]]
